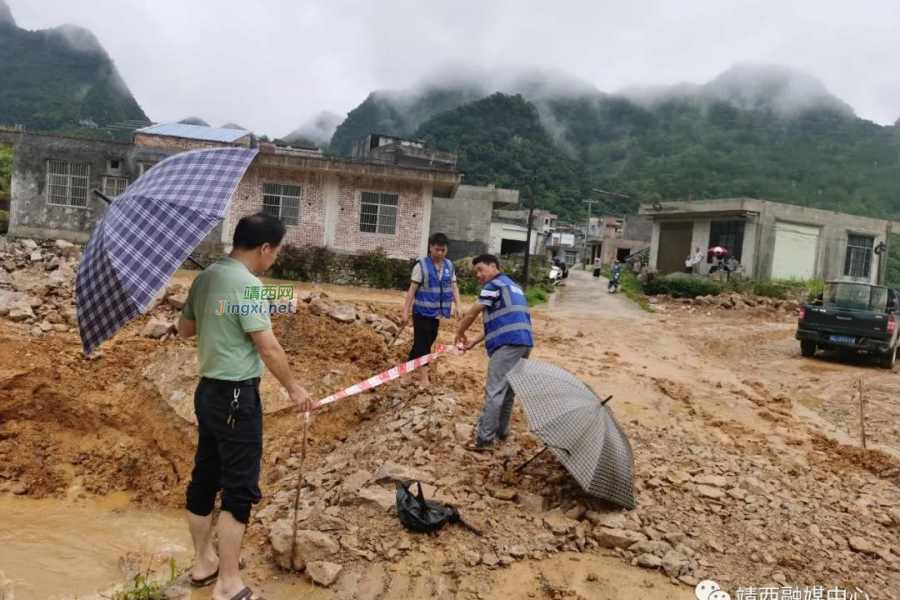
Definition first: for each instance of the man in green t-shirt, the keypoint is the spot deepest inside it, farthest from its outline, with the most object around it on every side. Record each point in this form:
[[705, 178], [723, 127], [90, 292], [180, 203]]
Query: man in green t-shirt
[[234, 340]]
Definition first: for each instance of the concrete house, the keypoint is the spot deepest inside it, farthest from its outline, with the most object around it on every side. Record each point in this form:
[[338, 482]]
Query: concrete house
[[466, 218], [771, 240], [617, 238], [350, 205]]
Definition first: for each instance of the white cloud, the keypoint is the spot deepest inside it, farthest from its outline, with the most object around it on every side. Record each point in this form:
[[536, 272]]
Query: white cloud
[[274, 64]]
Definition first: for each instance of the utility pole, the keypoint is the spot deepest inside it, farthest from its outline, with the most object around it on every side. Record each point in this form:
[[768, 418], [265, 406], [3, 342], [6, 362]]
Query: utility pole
[[525, 268], [590, 202]]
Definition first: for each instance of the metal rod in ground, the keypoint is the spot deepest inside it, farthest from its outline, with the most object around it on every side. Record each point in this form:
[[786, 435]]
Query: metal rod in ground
[[299, 485], [862, 414], [528, 462]]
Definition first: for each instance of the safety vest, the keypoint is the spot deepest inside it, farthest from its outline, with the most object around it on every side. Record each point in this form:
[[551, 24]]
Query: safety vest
[[435, 294], [508, 323]]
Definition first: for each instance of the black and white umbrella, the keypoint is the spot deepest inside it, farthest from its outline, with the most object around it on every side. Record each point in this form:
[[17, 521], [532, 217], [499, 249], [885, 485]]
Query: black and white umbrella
[[578, 427]]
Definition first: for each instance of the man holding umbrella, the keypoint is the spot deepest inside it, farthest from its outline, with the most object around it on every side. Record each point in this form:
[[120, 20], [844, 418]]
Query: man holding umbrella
[[232, 348], [507, 338]]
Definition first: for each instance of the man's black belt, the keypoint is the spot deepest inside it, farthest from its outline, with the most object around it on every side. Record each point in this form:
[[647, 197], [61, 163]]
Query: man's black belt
[[225, 382]]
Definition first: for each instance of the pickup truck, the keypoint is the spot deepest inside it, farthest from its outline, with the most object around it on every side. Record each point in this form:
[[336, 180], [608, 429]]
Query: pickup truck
[[855, 317]]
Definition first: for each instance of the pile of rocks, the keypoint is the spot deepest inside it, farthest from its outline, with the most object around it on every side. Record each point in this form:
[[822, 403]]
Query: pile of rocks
[[37, 283], [742, 302], [320, 304]]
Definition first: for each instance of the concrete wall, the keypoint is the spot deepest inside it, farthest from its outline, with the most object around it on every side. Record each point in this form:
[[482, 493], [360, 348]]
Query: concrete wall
[[466, 218], [32, 216], [638, 228]]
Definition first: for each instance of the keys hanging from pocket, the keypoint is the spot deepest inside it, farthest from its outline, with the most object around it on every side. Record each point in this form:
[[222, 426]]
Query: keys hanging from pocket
[[232, 414]]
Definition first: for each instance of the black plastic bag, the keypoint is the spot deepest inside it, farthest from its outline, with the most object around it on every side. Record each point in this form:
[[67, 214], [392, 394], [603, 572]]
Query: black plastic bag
[[425, 516]]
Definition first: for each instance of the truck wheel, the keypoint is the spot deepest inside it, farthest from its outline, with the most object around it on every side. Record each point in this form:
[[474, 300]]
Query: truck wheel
[[807, 349], [887, 360]]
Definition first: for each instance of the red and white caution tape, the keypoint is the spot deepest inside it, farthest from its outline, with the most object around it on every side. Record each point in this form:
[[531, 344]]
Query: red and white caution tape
[[389, 375]]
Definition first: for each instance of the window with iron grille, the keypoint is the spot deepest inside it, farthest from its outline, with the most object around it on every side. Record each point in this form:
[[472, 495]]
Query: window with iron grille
[[729, 235], [282, 201], [144, 167], [378, 213], [858, 262], [114, 186], [67, 183]]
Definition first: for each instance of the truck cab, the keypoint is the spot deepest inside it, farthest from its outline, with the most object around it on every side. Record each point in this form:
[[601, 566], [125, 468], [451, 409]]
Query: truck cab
[[851, 316]]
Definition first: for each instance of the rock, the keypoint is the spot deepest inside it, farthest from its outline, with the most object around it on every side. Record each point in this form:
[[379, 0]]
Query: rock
[[490, 559], [28, 244], [175, 592], [64, 245], [36, 331], [472, 558], [353, 483], [506, 494], [70, 314], [36, 256], [61, 328], [157, 328], [710, 492], [711, 480], [375, 496], [389, 327], [675, 564], [157, 300], [45, 326], [53, 264], [391, 472], [859, 544], [559, 524], [532, 502], [648, 561], [463, 432], [344, 313], [177, 300], [320, 307], [322, 572], [311, 545], [5, 278], [518, 551], [617, 538]]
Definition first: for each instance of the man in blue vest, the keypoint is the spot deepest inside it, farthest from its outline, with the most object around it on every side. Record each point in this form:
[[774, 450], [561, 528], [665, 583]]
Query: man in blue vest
[[507, 338], [432, 295]]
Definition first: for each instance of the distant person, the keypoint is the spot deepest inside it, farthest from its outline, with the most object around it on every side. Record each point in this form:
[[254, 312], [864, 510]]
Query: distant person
[[507, 338], [689, 264], [562, 266], [699, 257], [433, 295], [231, 351], [616, 273]]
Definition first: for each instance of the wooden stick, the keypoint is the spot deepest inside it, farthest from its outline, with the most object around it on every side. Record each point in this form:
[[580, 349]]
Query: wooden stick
[[299, 485], [862, 413]]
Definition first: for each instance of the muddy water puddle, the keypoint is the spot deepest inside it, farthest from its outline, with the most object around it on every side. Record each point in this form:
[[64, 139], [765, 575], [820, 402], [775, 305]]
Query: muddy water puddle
[[54, 550]]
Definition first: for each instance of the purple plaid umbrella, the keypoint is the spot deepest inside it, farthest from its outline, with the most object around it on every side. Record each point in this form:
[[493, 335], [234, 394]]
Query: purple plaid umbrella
[[148, 232]]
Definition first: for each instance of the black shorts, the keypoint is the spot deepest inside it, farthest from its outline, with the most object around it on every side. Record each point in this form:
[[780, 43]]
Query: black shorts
[[228, 458], [425, 330]]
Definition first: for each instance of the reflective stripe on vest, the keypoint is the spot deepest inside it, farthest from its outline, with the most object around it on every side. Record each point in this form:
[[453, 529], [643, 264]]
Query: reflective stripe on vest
[[510, 324], [435, 294]]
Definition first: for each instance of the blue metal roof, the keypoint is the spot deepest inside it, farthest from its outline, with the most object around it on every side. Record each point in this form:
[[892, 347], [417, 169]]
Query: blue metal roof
[[195, 132]]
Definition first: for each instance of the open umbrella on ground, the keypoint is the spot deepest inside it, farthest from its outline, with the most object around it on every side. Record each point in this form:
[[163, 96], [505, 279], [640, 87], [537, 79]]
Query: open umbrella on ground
[[578, 427], [148, 232]]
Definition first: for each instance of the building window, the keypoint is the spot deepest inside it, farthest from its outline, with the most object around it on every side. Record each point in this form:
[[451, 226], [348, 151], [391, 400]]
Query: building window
[[571, 256], [282, 201], [144, 167], [67, 183], [378, 213], [114, 166], [114, 186], [859, 256], [729, 235]]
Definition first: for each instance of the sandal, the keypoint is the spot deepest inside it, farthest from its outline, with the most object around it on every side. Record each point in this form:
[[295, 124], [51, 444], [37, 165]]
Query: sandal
[[476, 446], [211, 579], [246, 594]]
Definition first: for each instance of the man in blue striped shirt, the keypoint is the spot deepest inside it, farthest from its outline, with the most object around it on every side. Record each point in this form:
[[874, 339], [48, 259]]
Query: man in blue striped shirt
[[507, 338]]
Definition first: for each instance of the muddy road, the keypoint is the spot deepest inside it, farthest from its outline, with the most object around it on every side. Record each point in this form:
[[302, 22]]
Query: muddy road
[[749, 468]]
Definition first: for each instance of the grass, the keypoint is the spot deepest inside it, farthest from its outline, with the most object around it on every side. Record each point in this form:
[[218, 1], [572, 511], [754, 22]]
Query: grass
[[631, 287], [144, 587], [537, 295]]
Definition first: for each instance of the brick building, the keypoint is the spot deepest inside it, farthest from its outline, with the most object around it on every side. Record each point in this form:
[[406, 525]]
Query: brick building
[[349, 205]]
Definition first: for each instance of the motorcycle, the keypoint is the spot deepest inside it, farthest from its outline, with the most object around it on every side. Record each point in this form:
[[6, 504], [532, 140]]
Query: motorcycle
[[613, 286], [556, 275]]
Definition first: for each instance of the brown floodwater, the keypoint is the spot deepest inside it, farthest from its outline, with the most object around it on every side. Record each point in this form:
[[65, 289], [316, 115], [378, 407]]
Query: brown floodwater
[[56, 549]]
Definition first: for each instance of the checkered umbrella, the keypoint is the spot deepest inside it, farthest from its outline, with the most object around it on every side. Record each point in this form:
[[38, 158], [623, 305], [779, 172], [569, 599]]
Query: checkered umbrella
[[578, 428], [148, 232]]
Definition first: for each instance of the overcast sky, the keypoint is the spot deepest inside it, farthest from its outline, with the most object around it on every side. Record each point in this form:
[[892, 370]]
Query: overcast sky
[[270, 65]]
